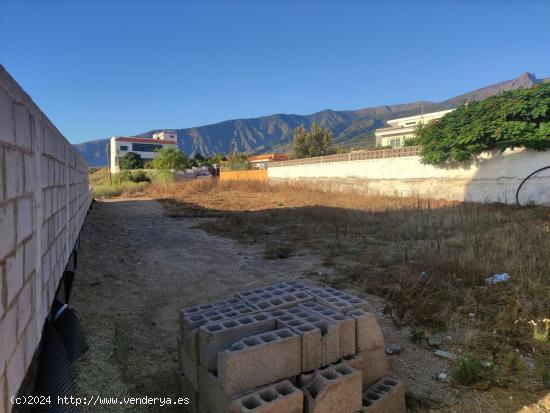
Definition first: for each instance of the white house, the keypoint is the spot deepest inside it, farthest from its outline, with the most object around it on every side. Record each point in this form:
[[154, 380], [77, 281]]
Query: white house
[[145, 147], [404, 128]]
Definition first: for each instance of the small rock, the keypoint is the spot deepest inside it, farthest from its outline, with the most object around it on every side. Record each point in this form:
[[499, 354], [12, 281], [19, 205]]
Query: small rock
[[393, 349], [443, 377], [446, 355], [436, 340]]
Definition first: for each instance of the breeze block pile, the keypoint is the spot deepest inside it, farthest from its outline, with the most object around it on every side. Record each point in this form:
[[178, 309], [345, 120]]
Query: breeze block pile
[[287, 348]]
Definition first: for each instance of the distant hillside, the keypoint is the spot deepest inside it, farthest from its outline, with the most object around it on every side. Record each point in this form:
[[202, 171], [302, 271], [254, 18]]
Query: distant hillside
[[274, 132]]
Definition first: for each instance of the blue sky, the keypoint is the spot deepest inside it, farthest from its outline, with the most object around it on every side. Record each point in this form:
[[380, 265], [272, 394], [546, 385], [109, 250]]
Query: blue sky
[[99, 68]]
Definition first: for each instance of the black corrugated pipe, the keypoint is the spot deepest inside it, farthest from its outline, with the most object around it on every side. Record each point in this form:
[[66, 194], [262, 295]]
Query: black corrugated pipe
[[525, 180]]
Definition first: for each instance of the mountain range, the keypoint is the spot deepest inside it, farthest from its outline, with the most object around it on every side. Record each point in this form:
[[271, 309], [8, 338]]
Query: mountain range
[[274, 133]]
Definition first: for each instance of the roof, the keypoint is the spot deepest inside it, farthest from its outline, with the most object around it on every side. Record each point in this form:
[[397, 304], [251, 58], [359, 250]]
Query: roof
[[146, 140], [269, 157]]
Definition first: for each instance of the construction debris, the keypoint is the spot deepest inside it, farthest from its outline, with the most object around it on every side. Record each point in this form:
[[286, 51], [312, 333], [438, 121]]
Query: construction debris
[[288, 347]]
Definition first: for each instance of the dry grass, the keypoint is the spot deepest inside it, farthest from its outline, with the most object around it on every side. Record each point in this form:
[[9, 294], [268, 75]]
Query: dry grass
[[429, 259]]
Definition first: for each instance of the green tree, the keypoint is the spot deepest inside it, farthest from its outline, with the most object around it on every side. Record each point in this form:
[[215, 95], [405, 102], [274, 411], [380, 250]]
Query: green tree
[[238, 162], [131, 161], [517, 118], [315, 142], [170, 157]]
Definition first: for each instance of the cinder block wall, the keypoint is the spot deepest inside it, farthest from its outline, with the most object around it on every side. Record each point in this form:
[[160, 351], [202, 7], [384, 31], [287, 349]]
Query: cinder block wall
[[493, 177], [44, 198]]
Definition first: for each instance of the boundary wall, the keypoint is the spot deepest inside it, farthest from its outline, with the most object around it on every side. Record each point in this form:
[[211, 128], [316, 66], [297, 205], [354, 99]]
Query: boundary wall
[[250, 175], [493, 177], [44, 199]]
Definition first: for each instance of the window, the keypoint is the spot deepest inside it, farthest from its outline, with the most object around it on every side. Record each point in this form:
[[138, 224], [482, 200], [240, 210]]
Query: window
[[145, 147], [394, 142], [123, 147]]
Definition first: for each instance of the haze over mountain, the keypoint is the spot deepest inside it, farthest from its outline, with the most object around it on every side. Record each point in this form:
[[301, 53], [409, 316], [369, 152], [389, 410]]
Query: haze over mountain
[[274, 132]]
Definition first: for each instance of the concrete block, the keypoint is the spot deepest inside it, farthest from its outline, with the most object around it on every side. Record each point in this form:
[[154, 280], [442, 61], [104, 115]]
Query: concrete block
[[187, 391], [29, 256], [8, 335], [275, 398], [338, 300], [7, 229], [385, 396], [368, 332], [1, 177], [217, 336], [188, 365], [29, 163], [25, 218], [14, 275], [7, 118], [278, 298], [24, 307], [23, 136], [336, 388], [373, 364], [259, 360], [191, 319], [346, 325], [14, 173], [15, 371], [212, 396], [310, 341], [301, 320]]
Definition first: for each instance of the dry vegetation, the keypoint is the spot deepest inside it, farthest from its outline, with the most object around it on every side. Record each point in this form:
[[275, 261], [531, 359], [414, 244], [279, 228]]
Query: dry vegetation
[[429, 259]]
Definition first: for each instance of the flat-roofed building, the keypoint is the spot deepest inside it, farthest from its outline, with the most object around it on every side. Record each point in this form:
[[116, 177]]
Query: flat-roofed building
[[147, 148], [404, 128], [261, 161]]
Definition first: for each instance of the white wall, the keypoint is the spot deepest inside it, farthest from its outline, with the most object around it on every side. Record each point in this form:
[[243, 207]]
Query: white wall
[[44, 198], [493, 178]]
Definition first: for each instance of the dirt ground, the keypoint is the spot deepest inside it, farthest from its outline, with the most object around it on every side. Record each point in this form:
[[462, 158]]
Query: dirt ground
[[139, 265]]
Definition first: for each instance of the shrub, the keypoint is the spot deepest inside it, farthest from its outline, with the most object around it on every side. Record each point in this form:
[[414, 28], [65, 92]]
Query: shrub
[[468, 371], [131, 161], [517, 118], [139, 176], [170, 158]]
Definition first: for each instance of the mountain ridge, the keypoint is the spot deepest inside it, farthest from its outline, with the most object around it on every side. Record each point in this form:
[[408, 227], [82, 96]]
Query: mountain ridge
[[274, 132]]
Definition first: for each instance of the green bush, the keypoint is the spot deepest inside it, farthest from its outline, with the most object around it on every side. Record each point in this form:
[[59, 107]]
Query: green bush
[[468, 371], [139, 176], [517, 118], [164, 175]]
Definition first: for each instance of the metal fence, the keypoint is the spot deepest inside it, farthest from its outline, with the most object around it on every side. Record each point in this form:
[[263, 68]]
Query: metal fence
[[352, 156]]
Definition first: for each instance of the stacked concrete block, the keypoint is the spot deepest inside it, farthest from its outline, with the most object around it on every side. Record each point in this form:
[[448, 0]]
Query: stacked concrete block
[[260, 359], [338, 300], [44, 198], [346, 326], [219, 336], [275, 398], [336, 388], [320, 337], [371, 356], [281, 348], [191, 319], [385, 396]]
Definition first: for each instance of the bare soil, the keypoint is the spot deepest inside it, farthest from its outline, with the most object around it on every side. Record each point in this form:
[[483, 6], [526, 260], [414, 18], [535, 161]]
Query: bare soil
[[140, 263]]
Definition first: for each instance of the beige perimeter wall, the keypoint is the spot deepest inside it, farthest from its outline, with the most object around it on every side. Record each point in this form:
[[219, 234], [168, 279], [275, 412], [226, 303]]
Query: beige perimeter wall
[[495, 177], [44, 198]]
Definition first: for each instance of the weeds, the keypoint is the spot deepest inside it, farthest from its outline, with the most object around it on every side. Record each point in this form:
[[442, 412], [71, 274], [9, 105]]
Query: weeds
[[428, 258], [468, 371]]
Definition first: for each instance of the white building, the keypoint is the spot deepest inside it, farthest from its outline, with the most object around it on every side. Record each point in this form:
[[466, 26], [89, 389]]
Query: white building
[[404, 128], [145, 147]]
